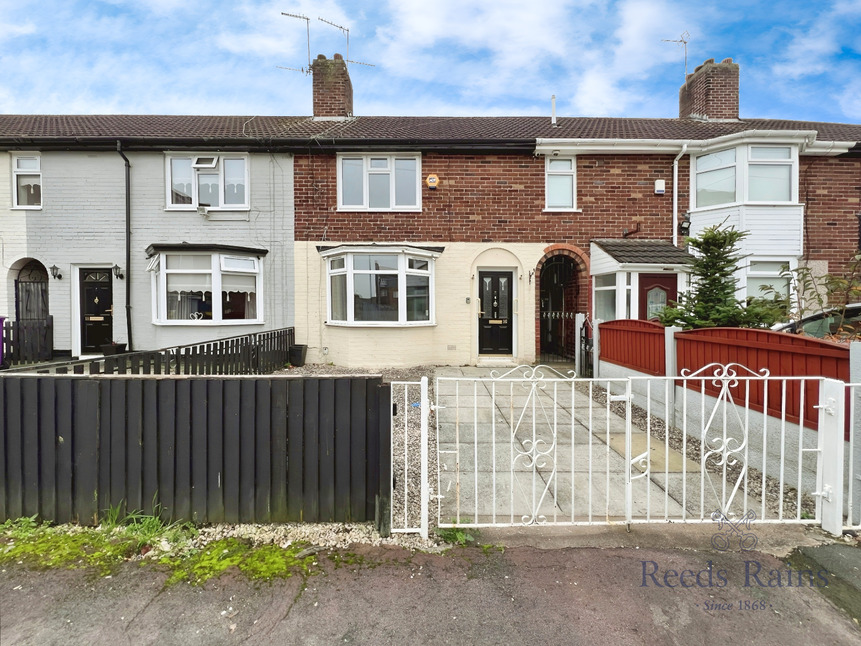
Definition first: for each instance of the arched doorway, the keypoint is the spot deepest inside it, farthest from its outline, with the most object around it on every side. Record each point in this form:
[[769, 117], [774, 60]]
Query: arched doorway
[[31, 292], [559, 294]]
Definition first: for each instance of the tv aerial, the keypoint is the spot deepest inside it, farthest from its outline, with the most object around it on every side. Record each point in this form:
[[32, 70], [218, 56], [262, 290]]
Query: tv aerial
[[683, 40], [343, 30]]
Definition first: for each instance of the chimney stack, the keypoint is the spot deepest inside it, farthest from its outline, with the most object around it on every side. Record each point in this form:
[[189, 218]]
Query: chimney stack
[[711, 92], [333, 91]]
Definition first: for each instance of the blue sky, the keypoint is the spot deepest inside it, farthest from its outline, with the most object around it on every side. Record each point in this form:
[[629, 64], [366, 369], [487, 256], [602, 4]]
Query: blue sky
[[799, 59]]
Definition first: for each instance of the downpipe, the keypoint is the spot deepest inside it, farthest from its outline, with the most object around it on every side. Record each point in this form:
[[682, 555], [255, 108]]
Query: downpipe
[[128, 246]]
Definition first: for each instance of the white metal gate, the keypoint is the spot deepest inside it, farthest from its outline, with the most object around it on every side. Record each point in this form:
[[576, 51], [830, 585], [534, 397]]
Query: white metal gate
[[534, 447]]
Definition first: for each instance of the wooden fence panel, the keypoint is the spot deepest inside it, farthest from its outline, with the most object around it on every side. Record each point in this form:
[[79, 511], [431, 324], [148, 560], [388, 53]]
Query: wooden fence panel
[[783, 355], [634, 344], [206, 449]]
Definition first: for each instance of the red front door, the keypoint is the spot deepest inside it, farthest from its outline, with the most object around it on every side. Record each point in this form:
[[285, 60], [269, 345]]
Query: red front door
[[656, 292]]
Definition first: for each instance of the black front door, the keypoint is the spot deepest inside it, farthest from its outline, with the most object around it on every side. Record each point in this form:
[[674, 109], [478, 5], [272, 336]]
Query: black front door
[[97, 309], [494, 317]]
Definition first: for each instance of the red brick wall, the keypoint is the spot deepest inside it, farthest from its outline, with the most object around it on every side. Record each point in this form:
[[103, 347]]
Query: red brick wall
[[830, 189], [499, 198], [711, 91]]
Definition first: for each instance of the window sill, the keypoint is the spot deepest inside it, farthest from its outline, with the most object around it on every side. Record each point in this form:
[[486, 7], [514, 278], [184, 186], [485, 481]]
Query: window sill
[[227, 323], [25, 208], [574, 210], [380, 324], [354, 209], [210, 209]]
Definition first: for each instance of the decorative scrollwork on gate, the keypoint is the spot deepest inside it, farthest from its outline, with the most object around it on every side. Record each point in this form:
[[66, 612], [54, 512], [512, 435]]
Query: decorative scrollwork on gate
[[724, 447], [534, 434]]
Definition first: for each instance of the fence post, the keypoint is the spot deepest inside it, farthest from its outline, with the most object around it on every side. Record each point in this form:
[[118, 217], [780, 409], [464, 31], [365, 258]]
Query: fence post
[[853, 484], [425, 412], [829, 471], [2, 338], [672, 370], [596, 350], [579, 322]]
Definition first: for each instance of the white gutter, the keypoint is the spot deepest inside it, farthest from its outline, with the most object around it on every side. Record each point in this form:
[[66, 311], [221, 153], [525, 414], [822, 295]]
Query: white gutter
[[676, 195], [806, 139]]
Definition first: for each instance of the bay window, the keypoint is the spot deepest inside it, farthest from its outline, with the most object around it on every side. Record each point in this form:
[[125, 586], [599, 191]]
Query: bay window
[[755, 174], [380, 286], [199, 286]]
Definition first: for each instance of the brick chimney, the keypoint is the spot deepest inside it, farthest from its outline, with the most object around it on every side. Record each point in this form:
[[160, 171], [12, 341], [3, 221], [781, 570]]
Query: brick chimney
[[711, 92], [333, 91]]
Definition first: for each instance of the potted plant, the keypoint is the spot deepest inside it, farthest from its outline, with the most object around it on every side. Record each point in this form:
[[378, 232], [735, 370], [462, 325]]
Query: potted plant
[[113, 348]]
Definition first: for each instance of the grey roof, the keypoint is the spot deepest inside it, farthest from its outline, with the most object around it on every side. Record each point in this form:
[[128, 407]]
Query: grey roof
[[644, 252], [269, 131]]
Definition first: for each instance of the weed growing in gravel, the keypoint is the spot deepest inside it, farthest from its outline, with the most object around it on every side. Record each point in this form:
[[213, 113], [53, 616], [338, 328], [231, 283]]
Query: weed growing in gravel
[[455, 535]]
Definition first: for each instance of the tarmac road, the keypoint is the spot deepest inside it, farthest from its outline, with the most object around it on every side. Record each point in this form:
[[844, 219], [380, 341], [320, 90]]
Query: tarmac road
[[649, 587]]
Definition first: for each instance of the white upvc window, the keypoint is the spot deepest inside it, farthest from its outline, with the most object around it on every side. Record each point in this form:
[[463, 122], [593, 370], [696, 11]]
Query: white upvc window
[[379, 182], [26, 181], [216, 182], [752, 174], [769, 273], [770, 173], [560, 184], [716, 178], [202, 288], [380, 287]]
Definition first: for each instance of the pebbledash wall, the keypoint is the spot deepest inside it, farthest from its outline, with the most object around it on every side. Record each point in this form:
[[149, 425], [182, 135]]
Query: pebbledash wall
[[82, 224], [487, 213]]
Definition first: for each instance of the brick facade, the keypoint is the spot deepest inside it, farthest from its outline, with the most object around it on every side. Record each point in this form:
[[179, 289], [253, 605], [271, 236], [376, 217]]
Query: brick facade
[[498, 198], [830, 188], [711, 91]]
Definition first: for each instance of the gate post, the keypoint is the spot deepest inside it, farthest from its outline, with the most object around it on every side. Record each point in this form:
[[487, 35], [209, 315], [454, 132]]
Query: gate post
[[629, 483], [425, 411], [829, 465]]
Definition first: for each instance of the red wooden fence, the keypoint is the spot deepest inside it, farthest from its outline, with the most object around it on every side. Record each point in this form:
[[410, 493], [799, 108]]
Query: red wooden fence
[[638, 345], [783, 355]]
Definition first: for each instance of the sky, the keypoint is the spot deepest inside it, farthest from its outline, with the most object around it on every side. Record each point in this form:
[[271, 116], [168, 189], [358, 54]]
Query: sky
[[799, 59]]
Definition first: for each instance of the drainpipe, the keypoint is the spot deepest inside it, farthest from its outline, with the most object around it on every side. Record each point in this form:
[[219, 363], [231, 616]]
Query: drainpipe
[[128, 246], [676, 195]]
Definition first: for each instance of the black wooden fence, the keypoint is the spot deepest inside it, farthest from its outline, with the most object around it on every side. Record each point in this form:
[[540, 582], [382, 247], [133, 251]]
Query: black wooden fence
[[204, 449], [27, 341], [250, 354]]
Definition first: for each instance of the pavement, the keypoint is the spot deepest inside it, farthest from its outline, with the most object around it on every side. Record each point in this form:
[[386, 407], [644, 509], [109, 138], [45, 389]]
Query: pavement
[[658, 584]]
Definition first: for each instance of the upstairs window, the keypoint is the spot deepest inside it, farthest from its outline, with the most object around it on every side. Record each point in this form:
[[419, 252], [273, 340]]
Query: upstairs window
[[379, 182], [560, 185], [716, 178], [26, 182], [209, 181], [751, 174], [770, 174]]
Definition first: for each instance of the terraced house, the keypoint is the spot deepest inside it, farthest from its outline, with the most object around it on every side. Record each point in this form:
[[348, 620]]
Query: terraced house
[[408, 240]]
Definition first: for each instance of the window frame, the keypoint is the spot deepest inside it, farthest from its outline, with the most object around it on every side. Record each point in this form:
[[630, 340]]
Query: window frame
[[368, 171], [751, 272], [791, 162], [16, 172], [572, 173], [403, 271], [745, 162], [200, 167], [157, 266]]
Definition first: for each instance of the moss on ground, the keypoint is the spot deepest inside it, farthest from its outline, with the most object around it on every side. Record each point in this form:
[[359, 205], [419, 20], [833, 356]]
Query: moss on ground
[[103, 549]]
